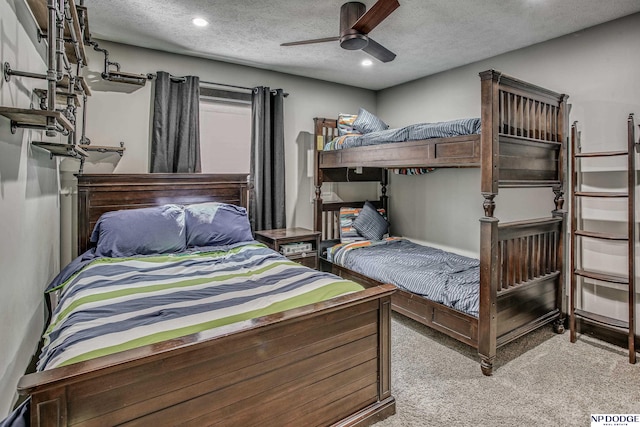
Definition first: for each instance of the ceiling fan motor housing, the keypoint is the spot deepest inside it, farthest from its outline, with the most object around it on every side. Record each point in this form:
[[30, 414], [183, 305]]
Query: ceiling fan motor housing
[[351, 39]]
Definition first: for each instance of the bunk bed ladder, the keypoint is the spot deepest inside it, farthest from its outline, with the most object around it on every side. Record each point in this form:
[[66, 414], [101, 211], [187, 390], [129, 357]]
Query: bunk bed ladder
[[579, 269]]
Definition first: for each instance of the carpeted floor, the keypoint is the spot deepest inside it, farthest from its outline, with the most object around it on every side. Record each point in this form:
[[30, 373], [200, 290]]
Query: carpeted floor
[[541, 379]]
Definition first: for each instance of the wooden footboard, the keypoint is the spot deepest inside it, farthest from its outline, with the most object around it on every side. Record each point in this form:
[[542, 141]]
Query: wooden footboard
[[530, 278], [521, 280], [316, 365]]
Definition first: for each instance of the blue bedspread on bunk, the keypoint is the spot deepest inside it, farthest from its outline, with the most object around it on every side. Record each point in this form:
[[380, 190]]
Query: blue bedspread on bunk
[[414, 132], [443, 277]]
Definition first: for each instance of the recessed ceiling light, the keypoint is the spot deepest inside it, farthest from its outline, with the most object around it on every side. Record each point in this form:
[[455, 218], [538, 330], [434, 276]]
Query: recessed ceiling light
[[366, 63], [199, 22]]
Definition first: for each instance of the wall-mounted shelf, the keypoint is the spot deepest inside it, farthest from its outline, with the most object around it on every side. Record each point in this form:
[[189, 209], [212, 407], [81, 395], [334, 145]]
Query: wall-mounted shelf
[[61, 97], [41, 14], [34, 119], [122, 77], [81, 85], [103, 148], [61, 149], [115, 75], [61, 22]]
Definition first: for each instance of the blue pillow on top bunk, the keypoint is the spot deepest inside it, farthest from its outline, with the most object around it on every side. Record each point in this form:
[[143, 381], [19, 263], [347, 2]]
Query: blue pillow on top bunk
[[370, 223], [145, 231], [367, 122], [216, 224]]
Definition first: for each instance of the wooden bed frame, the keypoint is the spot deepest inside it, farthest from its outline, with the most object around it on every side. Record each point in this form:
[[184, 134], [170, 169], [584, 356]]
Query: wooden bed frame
[[522, 144], [322, 364]]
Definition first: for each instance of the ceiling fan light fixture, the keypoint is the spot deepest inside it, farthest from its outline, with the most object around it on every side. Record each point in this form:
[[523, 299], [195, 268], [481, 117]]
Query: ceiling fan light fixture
[[354, 41], [200, 22]]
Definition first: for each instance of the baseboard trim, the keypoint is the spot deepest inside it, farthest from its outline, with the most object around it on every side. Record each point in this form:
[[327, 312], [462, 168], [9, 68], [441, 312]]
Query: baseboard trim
[[616, 338]]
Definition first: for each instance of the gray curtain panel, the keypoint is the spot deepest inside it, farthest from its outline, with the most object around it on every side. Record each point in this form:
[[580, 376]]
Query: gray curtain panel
[[175, 140], [267, 202]]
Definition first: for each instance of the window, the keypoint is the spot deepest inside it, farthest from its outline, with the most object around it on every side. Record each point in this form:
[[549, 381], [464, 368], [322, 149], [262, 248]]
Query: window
[[225, 131]]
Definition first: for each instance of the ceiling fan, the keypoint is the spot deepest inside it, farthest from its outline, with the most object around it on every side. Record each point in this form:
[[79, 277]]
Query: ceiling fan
[[355, 26]]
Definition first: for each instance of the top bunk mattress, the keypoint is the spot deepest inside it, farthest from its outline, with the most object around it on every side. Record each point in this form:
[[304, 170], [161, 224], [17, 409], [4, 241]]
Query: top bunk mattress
[[415, 132]]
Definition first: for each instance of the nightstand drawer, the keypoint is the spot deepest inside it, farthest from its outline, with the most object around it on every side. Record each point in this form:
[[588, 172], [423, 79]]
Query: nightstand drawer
[[309, 259]]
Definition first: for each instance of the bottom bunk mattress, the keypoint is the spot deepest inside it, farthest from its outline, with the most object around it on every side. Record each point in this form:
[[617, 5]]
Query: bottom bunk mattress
[[440, 276]]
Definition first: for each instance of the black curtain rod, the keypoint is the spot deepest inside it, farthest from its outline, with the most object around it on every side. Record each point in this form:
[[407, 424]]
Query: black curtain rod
[[151, 76]]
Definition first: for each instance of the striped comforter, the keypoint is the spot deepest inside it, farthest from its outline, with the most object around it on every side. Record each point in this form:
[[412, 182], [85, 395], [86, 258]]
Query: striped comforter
[[414, 132], [114, 304], [444, 277]]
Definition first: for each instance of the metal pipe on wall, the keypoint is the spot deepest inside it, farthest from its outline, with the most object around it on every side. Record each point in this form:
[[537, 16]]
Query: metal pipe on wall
[[59, 37], [51, 67], [72, 30]]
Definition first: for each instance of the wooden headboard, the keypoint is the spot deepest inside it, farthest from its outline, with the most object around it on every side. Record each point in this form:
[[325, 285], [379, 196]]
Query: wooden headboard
[[100, 193]]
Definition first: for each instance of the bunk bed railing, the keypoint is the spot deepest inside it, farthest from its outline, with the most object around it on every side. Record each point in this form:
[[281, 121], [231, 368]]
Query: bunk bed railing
[[523, 134], [326, 130], [534, 117], [528, 251]]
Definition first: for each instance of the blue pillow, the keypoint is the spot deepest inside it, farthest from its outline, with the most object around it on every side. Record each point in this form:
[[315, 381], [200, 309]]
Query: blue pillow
[[367, 122], [370, 223], [216, 224], [145, 231]]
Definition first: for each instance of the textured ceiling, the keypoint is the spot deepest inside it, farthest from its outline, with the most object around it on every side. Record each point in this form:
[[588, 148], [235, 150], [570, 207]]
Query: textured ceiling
[[428, 36]]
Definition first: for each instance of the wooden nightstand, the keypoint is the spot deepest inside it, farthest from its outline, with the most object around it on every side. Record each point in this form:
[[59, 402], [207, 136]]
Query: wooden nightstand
[[282, 236]]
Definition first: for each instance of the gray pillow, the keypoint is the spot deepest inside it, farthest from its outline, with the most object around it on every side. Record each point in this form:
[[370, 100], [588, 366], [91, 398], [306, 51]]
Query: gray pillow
[[367, 122], [370, 223], [145, 231], [216, 224]]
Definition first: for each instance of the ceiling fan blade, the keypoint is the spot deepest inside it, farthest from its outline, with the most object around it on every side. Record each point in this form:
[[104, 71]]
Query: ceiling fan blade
[[326, 39], [378, 51], [375, 15]]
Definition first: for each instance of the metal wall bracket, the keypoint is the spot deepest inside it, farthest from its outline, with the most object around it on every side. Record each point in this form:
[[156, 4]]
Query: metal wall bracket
[[7, 72]]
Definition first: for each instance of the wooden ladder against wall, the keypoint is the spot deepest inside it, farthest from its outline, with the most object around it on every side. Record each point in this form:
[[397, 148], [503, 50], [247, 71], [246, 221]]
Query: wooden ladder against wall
[[579, 269]]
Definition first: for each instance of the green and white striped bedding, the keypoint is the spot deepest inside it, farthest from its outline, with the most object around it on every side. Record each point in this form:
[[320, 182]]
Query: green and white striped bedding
[[115, 304]]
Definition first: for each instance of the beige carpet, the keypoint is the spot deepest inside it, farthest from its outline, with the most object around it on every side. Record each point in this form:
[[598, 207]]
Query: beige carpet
[[541, 379]]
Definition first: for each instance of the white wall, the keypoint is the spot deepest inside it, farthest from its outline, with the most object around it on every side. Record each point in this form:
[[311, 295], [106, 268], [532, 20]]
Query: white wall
[[29, 215], [597, 68]]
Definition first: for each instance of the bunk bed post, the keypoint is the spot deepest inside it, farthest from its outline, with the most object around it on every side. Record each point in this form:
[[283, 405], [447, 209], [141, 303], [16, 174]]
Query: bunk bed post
[[384, 199], [559, 212], [487, 319], [317, 176]]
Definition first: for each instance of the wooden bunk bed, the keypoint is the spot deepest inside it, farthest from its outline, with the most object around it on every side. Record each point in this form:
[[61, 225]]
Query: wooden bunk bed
[[322, 364], [521, 144]]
